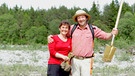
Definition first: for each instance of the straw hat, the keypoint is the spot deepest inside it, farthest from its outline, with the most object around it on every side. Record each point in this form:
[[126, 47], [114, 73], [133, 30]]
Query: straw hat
[[80, 12]]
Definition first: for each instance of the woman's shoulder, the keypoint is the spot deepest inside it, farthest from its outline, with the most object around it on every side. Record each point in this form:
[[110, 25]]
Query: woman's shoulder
[[55, 36], [70, 38]]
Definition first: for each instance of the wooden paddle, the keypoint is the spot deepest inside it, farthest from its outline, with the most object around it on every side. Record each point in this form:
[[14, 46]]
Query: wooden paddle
[[110, 49]]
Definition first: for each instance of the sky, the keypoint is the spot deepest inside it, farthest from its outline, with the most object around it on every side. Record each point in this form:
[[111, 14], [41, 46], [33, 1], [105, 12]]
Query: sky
[[47, 4]]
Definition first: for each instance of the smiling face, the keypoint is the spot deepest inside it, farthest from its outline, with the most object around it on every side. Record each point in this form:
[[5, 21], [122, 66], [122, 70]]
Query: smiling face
[[82, 20], [64, 29]]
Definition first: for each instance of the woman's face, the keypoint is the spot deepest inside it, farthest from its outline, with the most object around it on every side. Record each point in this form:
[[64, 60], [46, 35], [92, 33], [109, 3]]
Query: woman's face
[[82, 20], [64, 29]]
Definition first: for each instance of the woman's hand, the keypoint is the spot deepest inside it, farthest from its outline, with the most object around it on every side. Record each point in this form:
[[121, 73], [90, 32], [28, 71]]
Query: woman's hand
[[65, 58]]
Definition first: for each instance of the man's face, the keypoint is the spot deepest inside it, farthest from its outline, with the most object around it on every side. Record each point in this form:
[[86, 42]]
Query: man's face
[[82, 20]]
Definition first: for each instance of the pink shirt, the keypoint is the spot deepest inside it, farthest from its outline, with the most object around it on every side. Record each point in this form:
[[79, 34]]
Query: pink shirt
[[82, 40]]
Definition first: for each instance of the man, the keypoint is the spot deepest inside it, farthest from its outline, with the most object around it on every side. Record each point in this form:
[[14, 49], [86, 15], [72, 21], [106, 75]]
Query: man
[[83, 44]]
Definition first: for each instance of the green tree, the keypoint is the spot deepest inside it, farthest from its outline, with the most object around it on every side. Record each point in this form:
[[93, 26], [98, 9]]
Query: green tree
[[64, 13], [36, 35], [3, 9], [110, 14], [126, 8], [94, 12], [8, 29], [133, 8], [19, 26], [53, 26], [127, 26]]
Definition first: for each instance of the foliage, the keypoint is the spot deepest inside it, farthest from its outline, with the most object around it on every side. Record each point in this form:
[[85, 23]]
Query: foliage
[[108, 17], [113, 71], [31, 47], [36, 34], [8, 28], [19, 26], [54, 26], [127, 26], [94, 13], [124, 56]]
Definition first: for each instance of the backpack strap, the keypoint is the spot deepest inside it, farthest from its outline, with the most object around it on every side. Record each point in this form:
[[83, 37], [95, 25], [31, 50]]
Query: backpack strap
[[73, 29], [92, 30], [90, 26]]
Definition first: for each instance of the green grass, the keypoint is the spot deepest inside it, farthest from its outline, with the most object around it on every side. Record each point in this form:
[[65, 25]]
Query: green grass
[[22, 70], [26, 70], [114, 71], [123, 56], [24, 47]]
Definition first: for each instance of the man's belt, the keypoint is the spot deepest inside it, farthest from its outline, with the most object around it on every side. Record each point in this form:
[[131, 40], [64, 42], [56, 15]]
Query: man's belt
[[81, 58]]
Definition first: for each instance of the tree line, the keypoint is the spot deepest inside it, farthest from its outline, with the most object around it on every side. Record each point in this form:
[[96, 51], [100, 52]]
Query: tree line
[[27, 26]]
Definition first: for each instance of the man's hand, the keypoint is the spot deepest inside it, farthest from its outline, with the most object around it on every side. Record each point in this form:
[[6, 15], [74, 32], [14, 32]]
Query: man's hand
[[50, 39], [114, 31]]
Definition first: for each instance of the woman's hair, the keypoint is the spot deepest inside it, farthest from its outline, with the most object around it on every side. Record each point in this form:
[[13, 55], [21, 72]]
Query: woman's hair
[[64, 22]]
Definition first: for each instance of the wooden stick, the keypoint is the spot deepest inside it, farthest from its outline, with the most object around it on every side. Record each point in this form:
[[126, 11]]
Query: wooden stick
[[116, 24]]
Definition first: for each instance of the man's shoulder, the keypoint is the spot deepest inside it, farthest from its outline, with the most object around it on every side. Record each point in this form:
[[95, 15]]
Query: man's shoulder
[[94, 27], [72, 26]]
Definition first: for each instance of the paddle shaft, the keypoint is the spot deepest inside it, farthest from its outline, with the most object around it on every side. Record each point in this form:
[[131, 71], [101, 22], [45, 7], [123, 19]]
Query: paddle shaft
[[118, 17]]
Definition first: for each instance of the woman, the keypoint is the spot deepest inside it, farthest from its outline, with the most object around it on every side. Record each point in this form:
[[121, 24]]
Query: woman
[[59, 50]]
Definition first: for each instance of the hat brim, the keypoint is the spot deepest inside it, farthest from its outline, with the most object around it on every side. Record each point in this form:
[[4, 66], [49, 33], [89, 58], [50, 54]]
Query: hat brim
[[75, 16]]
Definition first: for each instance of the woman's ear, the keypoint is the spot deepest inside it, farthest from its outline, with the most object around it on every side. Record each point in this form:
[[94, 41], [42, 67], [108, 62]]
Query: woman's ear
[[59, 29]]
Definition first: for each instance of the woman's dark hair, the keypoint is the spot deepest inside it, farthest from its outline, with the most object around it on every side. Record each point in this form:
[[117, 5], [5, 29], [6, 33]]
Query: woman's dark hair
[[65, 22]]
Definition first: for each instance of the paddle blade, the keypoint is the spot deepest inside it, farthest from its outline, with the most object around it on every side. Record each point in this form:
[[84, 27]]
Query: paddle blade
[[108, 53]]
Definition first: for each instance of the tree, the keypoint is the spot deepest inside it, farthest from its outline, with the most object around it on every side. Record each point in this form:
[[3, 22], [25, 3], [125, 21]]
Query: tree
[[53, 26], [94, 12], [110, 14], [3, 9], [126, 8], [133, 8], [36, 35], [8, 29], [127, 26]]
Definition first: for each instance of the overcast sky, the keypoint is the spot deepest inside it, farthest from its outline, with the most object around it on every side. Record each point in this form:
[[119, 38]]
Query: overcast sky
[[47, 4]]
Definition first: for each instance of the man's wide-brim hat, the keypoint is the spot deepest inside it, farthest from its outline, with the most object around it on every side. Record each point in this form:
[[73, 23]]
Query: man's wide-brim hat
[[80, 12]]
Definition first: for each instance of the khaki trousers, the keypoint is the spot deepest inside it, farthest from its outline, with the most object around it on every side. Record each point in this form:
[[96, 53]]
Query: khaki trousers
[[81, 67]]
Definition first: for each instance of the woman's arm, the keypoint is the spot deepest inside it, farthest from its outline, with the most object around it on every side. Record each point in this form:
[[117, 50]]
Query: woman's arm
[[58, 55]]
